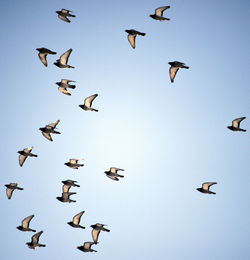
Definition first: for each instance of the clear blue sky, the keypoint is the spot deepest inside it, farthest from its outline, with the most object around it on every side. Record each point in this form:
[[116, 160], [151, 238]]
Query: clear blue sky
[[169, 138]]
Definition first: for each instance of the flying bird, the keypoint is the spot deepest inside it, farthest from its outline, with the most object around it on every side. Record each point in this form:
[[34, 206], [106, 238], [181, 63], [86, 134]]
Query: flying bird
[[205, 187], [87, 247], [158, 15], [35, 241], [76, 221], [97, 228], [70, 183], [175, 65], [73, 163], [43, 52], [25, 224], [10, 188], [50, 129], [62, 62], [24, 154], [112, 173], [88, 103], [63, 14], [131, 36], [66, 194], [236, 125], [64, 84]]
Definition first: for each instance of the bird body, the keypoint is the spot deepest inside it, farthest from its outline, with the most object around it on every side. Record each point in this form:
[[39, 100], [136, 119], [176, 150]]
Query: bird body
[[62, 62], [236, 125], [76, 220], [205, 187], [24, 154], [63, 14], [64, 84], [132, 35], [35, 241], [10, 188], [87, 247], [43, 52], [112, 173], [25, 224], [88, 103], [158, 15], [73, 163], [70, 183], [175, 66], [66, 197], [50, 129]]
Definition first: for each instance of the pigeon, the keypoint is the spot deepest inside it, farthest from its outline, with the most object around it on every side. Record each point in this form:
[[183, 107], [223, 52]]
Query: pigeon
[[25, 224], [66, 197], [88, 103], [35, 241], [43, 52], [63, 14], [10, 188], [131, 36], [97, 228], [64, 84], [87, 247], [112, 173], [24, 154], [175, 65], [70, 183], [205, 187], [50, 129], [73, 163], [158, 15], [62, 62], [76, 221], [236, 124]]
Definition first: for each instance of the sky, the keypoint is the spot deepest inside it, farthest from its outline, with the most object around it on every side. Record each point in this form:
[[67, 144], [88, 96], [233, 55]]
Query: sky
[[169, 137]]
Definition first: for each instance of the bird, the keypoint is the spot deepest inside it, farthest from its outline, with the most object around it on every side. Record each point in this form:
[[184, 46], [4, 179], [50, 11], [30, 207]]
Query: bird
[[43, 52], [70, 183], [88, 103], [66, 197], [205, 187], [87, 247], [97, 228], [76, 220], [236, 124], [10, 188], [73, 163], [35, 241], [25, 224], [112, 173], [64, 84], [63, 14], [158, 15], [131, 36], [175, 65], [62, 62], [50, 129], [24, 154]]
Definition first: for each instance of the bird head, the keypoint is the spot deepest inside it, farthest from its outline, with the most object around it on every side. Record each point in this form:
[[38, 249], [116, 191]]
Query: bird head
[[199, 189], [58, 83], [19, 227], [229, 127], [151, 15], [38, 49]]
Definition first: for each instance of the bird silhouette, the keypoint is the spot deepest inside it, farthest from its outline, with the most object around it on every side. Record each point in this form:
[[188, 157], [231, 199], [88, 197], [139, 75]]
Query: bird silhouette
[[64, 84], [205, 187], [132, 35], [73, 163], [70, 183], [88, 103], [35, 241], [112, 173], [10, 188], [62, 62], [158, 15], [50, 129], [25, 224], [63, 14], [236, 125], [24, 154], [76, 220], [43, 52], [86, 247], [175, 66]]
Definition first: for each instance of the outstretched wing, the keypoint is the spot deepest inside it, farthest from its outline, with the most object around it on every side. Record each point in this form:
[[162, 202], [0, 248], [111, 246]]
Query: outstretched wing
[[35, 238], [65, 11], [88, 101], [22, 159], [172, 73], [206, 185], [42, 57], [159, 11], [65, 56], [114, 169], [47, 136], [77, 218], [66, 188], [26, 221], [64, 91], [95, 234], [236, 122], [9, 193], [53, 125], [64, 18], [131, 39], [66, 81]]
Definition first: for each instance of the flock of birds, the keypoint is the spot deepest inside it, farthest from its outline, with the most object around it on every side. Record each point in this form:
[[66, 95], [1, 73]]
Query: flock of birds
[[49, 129]]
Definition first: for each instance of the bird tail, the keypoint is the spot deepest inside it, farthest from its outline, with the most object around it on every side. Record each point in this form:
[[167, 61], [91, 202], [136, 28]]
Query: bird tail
[[41, 245], [185, 67], [72, 86], [82, 227], [56, 132], [92, 109], [212, 192], [33, 155], [33, 230], [52, 52], [72, 201], [106, 229], [142, 34], [71, 67], [19, 188], [242, 130], [76, 185]]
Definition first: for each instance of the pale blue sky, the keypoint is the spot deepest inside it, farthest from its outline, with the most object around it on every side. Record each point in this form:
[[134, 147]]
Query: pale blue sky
[[168, 137]]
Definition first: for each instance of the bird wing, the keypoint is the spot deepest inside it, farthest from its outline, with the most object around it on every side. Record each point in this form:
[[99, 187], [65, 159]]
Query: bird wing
[[236, 122], [73, 161], [172, 73], [88, 101], [9, 193], [64, 91], [26, 221], [77, 218], [131, 39], [28, 150], [47, 136], [42, 57], [35, 238], [113, 177], [159, 11], [95, 234], [22, 159], [65, 11], [206, 185], [64, 18], [53, 125], [114, 169], [87, 245], [66, 188], [65, 56]]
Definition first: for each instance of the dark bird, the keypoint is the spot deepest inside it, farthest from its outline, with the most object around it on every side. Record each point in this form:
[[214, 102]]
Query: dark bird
[[10, 188], [24, 154], [73, 163], [88, 103], [236, 125], [175, 65], [50, 129], [158, 15], [62, 62], [43, 52], [35, 241], [131, 36], [25, 224], [205, 187], [97, 228], [87, 247], [64, 84], [112, 173], [63, 14], [76, 221], [70, 183], [66, 197]]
